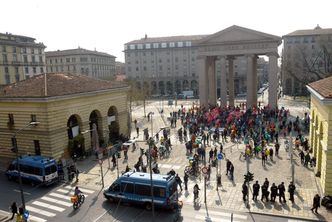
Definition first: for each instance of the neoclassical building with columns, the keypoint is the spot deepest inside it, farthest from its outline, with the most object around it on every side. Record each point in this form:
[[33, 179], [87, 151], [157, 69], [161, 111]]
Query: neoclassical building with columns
[[225, 46], [66, 107]]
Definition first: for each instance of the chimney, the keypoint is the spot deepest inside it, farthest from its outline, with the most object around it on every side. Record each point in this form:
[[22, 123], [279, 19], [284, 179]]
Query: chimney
[[146, 36]]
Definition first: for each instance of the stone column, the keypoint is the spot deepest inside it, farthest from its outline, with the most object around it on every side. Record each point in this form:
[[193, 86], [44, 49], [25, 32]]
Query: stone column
[[255, 80], [203, 80], [212, 80], [250, 81], [231, 80], [223, 83], [273, 80]]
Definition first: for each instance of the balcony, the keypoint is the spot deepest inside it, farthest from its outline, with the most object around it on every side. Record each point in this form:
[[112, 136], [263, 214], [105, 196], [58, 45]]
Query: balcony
[[17, 63]]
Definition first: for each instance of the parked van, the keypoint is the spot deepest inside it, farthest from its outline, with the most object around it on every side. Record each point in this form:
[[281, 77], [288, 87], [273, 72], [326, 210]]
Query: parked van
[[34, 170], [135, 187]]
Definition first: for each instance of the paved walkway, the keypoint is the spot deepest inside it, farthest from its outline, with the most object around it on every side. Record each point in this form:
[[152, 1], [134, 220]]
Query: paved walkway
[[229, 196]]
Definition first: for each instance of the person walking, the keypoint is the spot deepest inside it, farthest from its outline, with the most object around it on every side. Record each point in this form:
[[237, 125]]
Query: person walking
[[228, 165], [137, 131], [316, 203], [263, 158], [274, 192], [244, 191], [77, 172], [13, 209], [185, 179], [231, 172], [291, 191], [281, 190], [210, 155], [178, 181], [271, 154], [255, 188], [277, 146]]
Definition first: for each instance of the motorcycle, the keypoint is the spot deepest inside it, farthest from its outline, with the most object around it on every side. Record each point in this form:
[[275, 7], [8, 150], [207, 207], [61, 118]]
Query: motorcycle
[[77, 201]]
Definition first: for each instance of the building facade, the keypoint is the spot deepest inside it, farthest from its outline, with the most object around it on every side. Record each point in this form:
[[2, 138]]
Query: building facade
[[321, 130], [95, 64], [66, 107], [306, 57], [20, 58], [168, 65]]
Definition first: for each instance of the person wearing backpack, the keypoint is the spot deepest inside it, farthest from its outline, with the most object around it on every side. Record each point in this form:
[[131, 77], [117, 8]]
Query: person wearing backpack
[[13, 209]]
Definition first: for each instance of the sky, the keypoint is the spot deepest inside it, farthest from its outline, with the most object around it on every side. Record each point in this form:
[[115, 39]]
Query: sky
[[106, 25]]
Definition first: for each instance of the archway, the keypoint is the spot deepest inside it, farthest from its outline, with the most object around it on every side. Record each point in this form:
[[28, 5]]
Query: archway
[[95, 119], [154, 89], [178, 86], [169, 88], [75, 138], [185, 85], [194, 87], [113, 125], [161, 87]]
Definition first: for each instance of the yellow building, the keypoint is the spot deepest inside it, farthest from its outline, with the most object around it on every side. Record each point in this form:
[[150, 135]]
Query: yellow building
[[66, 108], [20, 58], [321, 130]]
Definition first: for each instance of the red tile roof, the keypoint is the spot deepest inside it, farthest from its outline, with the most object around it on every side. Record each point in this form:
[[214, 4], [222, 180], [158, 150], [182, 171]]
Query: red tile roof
[[58, 84], [323, 87]]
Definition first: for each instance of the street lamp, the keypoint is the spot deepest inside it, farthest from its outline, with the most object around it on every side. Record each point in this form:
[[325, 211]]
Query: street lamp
[[15, 150]]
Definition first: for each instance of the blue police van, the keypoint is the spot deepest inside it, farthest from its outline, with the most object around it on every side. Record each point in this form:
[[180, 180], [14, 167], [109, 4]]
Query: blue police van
[[135, 187], [34, 170]]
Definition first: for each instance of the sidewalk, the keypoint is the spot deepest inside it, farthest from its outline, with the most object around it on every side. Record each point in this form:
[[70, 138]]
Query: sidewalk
[[229, 196]]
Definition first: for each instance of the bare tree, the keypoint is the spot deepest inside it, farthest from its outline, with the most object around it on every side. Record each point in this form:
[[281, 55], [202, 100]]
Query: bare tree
[[306, 66]]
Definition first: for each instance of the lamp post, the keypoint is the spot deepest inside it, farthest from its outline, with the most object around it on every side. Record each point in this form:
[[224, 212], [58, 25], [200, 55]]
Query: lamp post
[[15, 150]]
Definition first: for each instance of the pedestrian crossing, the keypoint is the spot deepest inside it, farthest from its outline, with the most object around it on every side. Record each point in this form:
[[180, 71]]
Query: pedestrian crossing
[[214, 215], [57, 201]]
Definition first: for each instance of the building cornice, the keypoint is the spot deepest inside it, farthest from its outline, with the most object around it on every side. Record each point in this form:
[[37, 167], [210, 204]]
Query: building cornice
[[64, 97]]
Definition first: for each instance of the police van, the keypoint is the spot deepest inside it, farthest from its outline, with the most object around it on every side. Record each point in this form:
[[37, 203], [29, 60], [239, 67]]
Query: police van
[[34, 170], [135, 187]]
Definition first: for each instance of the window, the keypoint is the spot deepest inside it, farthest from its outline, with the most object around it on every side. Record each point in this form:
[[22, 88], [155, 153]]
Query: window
[[37, 147], [7, 77], [17, 77], [32, 51], [14, 49], [188, 43], [4, 48], [40, 59], [56, 60], [172, 44], [26, 70], [83, 59], [51, 169], [4, 58], [14, 58], [40, 51], [33, 59], [160, 68], [132, 47], [159, 192], [24, 50], [180, 44], [148, 46], [25, 59], [140, 46], [34, 70], [313, 39], [137, 69], [41, 69], [33, 118], [144, 68], [156, 45], [142, 190], [160, 61], [127, 187], [73, 59], [61, 60], [10, 118], [163, 45], [16, 71], [6, 70]]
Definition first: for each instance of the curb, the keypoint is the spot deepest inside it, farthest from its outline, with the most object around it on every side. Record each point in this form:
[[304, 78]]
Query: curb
[[284, 216]]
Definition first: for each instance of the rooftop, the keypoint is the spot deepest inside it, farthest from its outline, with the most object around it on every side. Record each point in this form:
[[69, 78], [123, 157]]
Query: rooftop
[[168, 39], [323, 87], [58, 84], [78, 51], [316, 31]]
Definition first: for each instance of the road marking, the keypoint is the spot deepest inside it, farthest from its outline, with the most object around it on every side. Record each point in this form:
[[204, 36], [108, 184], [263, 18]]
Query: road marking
[[60, 202], [36, 219], [224, 214], [176, 167], [292, 220], [49, 206], [23, 192], [165, 165], [209, 218], [60, 196], [82, 189], [39, 211]]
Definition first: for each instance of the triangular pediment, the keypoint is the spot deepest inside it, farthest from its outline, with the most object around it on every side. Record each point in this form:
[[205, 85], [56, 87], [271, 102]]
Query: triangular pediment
[[238, 34]]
